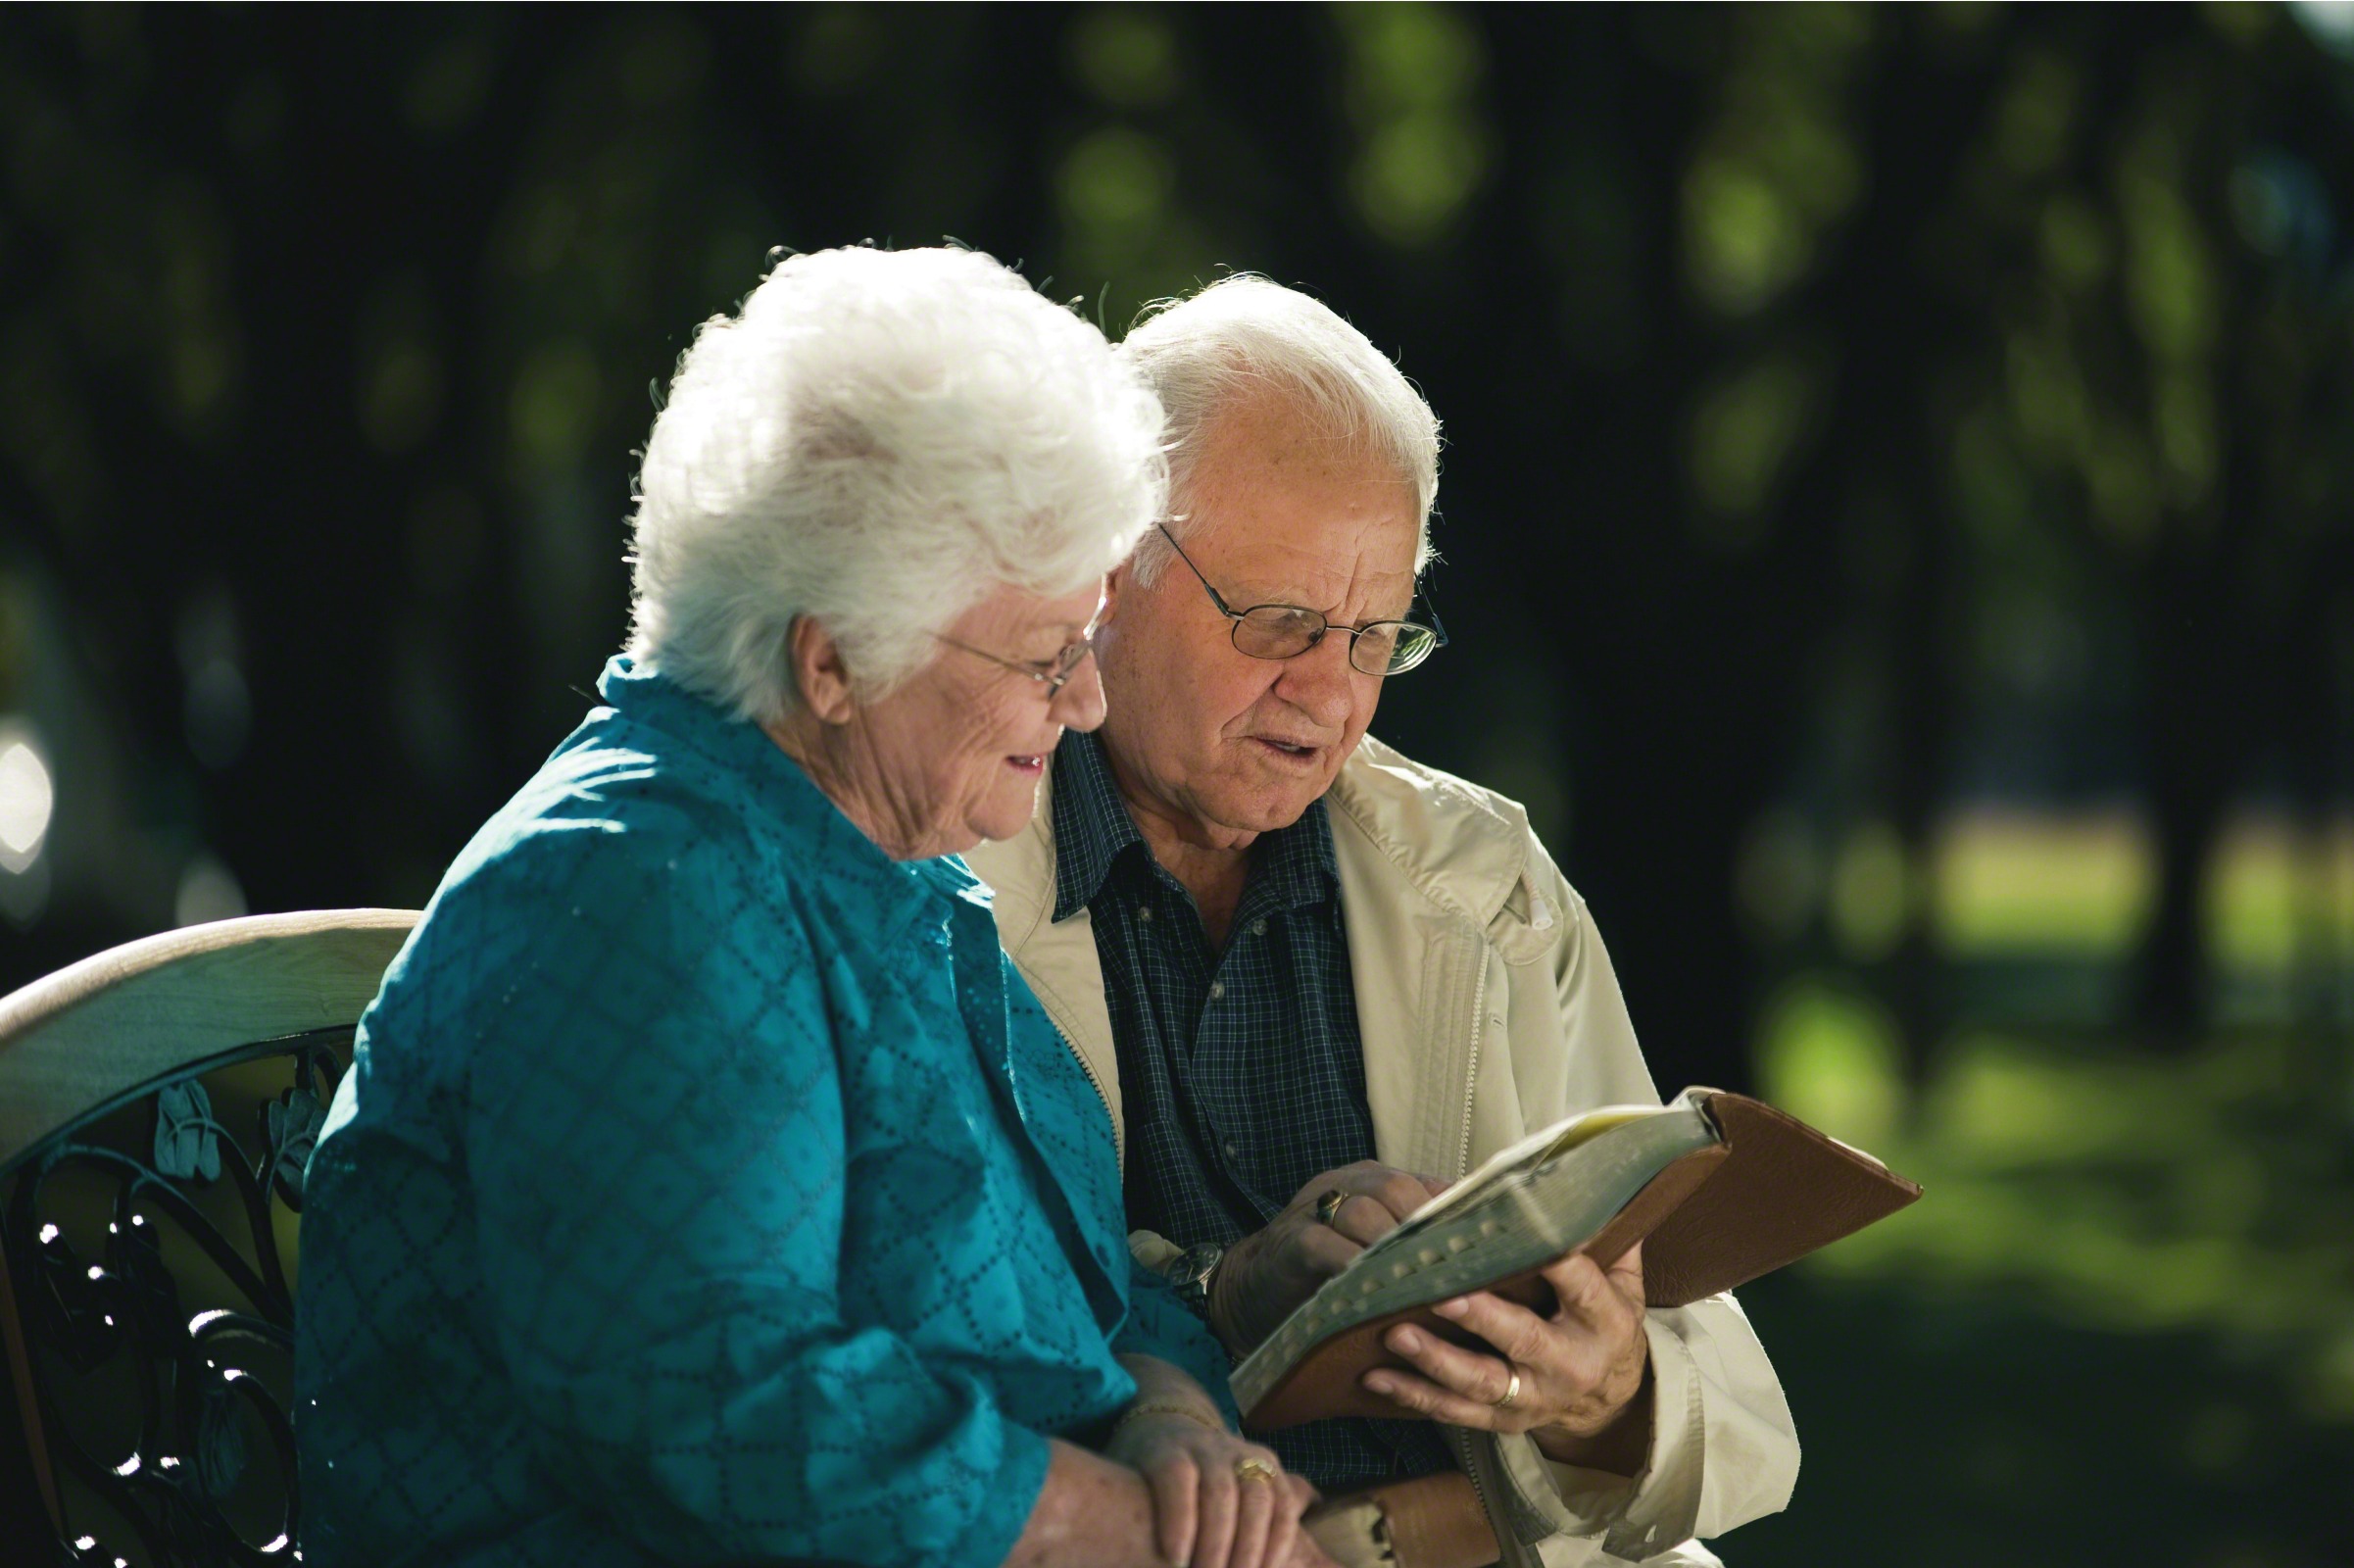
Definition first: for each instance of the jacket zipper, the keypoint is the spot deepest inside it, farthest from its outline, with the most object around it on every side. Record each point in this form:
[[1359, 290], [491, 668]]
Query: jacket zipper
[[1471, 1075], [1479, 1020], [1119, 1134]]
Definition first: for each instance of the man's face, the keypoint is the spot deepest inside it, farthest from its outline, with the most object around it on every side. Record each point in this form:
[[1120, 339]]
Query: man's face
[[1221, 746]]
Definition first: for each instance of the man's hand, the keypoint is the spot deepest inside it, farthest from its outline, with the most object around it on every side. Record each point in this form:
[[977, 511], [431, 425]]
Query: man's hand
[[1580, 1371], [1266, 1275]]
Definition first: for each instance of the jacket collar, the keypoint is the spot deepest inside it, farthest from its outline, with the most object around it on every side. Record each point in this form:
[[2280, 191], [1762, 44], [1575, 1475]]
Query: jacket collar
[[1462, 847]]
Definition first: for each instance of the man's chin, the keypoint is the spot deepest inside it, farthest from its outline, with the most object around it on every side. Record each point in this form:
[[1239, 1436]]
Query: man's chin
[[1261, 809]]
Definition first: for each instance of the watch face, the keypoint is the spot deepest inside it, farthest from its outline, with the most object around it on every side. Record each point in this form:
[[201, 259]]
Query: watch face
[[1194, 1265]]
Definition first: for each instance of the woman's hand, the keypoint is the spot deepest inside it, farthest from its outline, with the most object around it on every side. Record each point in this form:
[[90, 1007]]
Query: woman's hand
[[1218, 1500]]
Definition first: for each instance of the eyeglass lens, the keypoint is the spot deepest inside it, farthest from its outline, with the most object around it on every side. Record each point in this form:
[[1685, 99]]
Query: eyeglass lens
[[1282, 631]]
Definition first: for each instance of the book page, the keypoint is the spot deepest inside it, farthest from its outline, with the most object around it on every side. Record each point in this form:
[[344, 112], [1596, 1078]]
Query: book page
[[1531, 1151]]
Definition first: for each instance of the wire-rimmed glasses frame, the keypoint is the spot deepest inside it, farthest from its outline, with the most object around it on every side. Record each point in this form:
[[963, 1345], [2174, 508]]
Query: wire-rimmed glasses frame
[[1286, 631], [1052, 673]]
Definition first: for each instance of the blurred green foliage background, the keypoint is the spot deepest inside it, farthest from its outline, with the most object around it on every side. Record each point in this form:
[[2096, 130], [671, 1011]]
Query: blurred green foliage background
[[1897, 530]]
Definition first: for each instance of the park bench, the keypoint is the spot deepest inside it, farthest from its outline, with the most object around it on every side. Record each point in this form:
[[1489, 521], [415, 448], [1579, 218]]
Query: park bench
[[158, 1102]]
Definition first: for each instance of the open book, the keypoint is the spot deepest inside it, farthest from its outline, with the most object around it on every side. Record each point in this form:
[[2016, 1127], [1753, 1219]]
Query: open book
[[1719, 1188]]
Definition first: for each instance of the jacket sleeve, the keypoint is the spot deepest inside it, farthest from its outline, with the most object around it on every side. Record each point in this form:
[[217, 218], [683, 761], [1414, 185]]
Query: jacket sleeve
[[1724, 1449], [653, 1129]]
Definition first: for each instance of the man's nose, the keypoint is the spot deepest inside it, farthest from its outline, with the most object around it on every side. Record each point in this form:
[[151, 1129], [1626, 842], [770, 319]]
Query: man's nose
[[1321, 683]]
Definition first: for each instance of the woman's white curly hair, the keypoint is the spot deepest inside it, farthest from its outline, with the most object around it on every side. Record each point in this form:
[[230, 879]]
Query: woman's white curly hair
[[879, 439], [1246, 333]]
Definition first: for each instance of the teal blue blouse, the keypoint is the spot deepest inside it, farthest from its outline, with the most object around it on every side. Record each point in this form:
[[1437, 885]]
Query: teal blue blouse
[[707, 1187]]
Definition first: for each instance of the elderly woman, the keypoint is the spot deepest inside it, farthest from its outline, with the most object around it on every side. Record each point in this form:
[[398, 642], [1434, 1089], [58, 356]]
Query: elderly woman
[[706, 1187]]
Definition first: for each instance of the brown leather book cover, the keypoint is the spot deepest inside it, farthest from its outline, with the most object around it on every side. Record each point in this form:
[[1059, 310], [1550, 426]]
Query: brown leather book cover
[[1774, 1191], [1431, 1522]]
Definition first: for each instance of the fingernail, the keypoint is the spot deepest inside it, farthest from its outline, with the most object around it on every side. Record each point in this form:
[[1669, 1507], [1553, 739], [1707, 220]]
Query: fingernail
[[1406, 1341], [1380, 1385], [1454, 1309]]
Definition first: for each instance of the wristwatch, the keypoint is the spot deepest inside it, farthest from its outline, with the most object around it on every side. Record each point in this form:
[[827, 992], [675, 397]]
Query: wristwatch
[[1191, 1270]]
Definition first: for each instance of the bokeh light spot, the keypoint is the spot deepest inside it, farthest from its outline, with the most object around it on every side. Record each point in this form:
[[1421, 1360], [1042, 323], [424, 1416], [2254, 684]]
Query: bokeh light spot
[[27, 798]]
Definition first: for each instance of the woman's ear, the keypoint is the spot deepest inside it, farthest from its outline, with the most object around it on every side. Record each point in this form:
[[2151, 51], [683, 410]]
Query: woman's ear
[[819, 672]]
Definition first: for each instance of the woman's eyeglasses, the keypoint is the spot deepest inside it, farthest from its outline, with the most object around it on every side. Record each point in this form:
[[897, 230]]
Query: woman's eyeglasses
[[1053, 673]]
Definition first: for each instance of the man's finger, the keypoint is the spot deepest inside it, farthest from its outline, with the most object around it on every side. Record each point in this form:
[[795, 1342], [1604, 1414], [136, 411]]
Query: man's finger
[[1627, 1273], [1364, 1221], [1399, 1193], [1586, 1291], [1325, 1251], [1353, 1178], [1417, 1395], [1474, 1375], [1518, 1334]]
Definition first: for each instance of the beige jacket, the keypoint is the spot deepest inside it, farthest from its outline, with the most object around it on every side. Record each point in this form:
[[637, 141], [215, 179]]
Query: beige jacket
[[1488, 1007]]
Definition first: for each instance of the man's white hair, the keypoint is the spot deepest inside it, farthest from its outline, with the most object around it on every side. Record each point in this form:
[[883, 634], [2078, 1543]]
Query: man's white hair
[[879, 439], [1244, 334]]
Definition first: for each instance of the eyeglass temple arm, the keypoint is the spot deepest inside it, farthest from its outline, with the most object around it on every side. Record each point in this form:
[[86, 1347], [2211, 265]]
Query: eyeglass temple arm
[[1216, 598]]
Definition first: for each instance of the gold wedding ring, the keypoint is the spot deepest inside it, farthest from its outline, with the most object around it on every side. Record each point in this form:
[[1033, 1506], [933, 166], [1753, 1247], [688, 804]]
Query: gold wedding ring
[[1253, 1470], [1329, 1205], [1511, 1392]]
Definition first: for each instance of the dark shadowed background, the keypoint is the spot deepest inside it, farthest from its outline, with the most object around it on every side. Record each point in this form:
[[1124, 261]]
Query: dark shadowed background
[[1896, 535]]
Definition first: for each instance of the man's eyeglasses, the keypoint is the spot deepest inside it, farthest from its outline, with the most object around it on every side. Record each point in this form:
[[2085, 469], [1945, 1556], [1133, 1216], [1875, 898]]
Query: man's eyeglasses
[[1286, 631], [1053, 673]]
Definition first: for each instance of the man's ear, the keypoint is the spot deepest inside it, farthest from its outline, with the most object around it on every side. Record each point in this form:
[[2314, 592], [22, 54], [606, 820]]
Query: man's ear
[[819, 672], [1116, 583]]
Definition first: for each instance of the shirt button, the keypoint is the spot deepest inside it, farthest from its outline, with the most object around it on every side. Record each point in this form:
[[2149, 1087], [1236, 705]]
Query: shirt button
[[1259, 927], [1217, 989], [1145, 915], [1232, 1153]]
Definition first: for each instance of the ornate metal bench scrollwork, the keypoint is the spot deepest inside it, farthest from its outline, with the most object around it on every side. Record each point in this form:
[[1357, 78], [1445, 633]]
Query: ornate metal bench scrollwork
[[158, 1105]]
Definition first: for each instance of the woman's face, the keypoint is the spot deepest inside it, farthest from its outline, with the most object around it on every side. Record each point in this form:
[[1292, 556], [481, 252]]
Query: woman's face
[[954, 754]]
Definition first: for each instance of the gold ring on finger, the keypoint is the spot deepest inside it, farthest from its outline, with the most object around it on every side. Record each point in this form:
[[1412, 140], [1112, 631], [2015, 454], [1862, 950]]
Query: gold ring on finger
[[1511, 1392], [1329, 1205], [1253, 1470]]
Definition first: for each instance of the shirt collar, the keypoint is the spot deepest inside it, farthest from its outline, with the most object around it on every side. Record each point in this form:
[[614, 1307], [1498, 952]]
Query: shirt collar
[[1091, 824], [743, 751], [1295, 865]]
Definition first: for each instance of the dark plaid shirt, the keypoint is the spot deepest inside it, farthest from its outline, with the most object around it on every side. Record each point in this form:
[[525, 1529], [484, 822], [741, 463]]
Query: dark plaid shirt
[[1242, 1071]]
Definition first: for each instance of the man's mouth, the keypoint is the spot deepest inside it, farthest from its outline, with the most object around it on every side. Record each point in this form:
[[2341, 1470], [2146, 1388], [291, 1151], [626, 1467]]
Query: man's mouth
[[1026, 764], [1291, 748]]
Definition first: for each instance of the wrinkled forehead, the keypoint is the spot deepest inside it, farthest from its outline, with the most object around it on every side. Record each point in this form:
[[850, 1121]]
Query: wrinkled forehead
[[1323, 561], [1317, 525]]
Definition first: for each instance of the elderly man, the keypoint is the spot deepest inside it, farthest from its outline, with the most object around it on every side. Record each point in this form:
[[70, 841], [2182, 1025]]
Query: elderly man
[[1315, 980]]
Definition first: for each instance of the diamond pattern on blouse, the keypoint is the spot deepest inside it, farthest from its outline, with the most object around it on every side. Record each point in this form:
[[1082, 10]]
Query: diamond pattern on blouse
[[707, 1187]]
